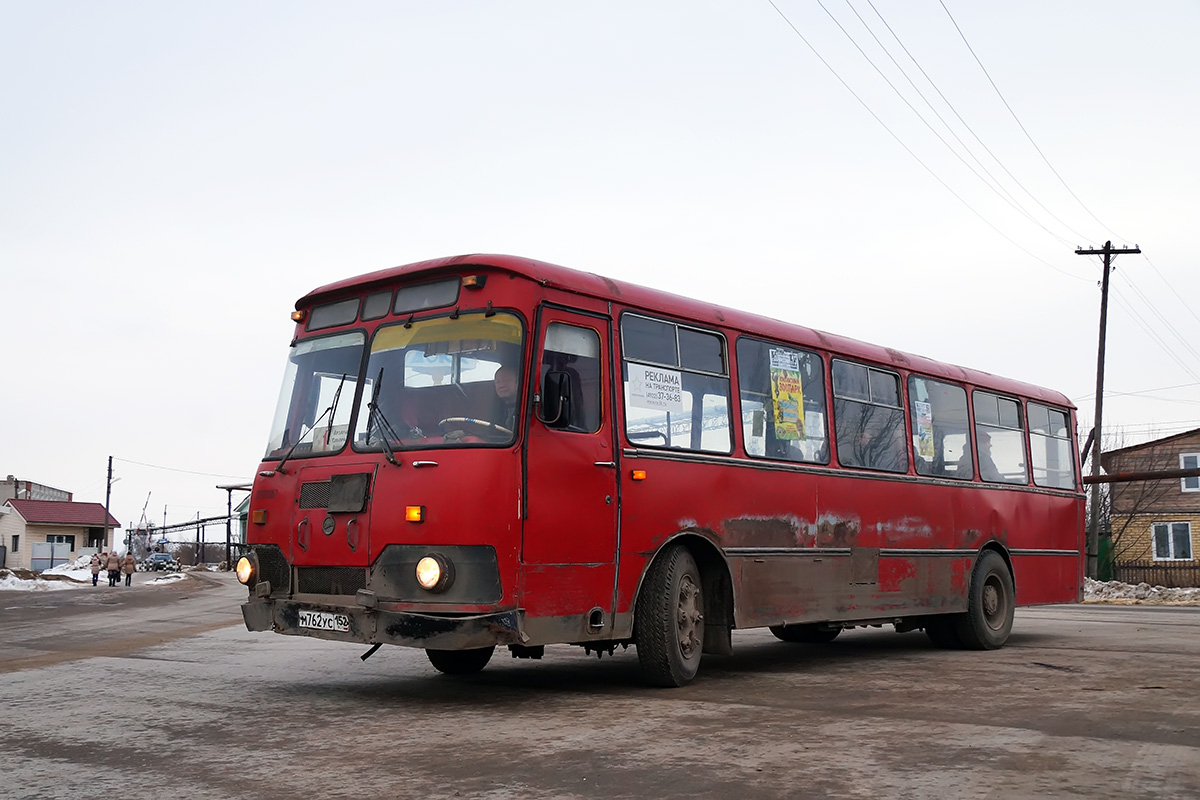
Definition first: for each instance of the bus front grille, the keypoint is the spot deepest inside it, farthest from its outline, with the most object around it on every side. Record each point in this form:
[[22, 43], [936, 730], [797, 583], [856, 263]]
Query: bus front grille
[[315, 494], [330, 580]]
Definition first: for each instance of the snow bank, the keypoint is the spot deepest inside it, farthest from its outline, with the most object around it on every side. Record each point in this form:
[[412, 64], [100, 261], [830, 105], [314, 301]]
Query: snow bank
[[1141, 594], [23, 581]]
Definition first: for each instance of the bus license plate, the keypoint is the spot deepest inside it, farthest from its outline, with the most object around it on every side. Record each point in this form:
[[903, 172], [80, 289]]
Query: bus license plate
[[324, 621]]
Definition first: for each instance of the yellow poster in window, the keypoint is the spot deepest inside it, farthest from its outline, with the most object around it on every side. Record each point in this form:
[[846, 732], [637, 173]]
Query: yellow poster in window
[[787, 395]]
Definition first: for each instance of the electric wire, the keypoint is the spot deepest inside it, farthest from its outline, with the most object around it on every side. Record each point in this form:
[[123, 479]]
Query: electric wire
[[1169, 286], [184, 471], [994, 184], [1022, 126], [1166, 323], [1151, 332], [1007, 199], [1079, 236], [915, 157]]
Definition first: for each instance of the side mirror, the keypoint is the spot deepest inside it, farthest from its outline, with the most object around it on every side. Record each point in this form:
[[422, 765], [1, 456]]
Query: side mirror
[[555, 409]]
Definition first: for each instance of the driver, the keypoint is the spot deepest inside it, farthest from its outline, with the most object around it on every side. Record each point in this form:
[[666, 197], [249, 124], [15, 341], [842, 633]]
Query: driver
[[505, 381]]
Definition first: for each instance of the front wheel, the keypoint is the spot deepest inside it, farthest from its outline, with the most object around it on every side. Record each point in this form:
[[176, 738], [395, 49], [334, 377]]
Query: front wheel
[[805, 634], [670, 619], [990, 605], [460, 662]]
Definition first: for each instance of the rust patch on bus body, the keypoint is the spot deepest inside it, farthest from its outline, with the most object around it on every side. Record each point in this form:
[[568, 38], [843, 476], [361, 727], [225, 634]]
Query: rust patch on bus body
[[766, 532], [897, 357], [612, 286], [837, 531]]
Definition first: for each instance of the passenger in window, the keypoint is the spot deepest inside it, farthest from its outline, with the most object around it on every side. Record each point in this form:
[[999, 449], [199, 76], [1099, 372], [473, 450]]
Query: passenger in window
[[988, 470]]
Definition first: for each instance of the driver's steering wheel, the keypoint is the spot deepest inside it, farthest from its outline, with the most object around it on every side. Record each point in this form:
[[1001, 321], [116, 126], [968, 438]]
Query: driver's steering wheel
[[449, 423]]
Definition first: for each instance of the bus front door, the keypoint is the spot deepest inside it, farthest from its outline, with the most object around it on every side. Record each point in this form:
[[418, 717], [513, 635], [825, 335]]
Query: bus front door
[[569, 544]]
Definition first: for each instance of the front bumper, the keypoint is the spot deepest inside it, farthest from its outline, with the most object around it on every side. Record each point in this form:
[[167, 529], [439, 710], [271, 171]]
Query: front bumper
[[405, 628]]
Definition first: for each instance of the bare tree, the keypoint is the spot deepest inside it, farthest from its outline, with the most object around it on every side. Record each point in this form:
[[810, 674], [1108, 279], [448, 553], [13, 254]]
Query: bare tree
[[1125, 506]]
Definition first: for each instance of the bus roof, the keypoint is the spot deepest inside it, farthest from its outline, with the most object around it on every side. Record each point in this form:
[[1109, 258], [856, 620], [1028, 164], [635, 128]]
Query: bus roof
[[684, 308]]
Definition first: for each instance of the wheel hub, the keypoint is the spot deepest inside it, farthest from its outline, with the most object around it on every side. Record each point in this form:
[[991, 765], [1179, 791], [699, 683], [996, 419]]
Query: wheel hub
[[689, 617]]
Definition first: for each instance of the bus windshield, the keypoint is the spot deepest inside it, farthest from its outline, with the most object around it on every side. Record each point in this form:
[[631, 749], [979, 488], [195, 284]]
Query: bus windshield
[[444, 381], [313, 413]]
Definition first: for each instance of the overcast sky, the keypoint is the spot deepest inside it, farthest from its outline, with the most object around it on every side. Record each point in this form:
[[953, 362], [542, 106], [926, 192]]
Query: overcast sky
[[173, 176]]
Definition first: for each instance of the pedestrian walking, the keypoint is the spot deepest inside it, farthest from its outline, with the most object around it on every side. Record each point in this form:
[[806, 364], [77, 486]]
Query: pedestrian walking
[[129, 566], [96, 567], [113, 565]]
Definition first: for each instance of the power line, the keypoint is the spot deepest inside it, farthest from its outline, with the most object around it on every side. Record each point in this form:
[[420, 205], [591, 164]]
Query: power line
[[908, 150], [184, 471], [967, 125], [998, 188], [1172, 288], [1021, 126]]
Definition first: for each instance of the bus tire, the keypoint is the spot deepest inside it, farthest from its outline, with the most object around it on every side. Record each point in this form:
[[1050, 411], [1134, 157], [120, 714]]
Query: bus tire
[[990, 605], [940, 630], [805, 634], [460, 662], [670, 619]]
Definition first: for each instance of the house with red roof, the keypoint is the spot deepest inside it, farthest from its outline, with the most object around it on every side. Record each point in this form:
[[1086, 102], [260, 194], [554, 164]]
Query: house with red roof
[[39, 534]]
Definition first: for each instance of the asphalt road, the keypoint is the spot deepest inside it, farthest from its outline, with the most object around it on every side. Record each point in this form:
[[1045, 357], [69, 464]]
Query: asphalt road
[[160, 692]]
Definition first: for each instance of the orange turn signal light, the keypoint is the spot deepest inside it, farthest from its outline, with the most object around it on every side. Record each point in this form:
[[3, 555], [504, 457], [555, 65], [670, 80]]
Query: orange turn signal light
[[297, 316], [474, 281], [414, 513], [259, 516], [638, 474]]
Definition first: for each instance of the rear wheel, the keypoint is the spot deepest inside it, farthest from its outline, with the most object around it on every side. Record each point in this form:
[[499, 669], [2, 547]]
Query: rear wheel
[[805, 634], [670, 619], [460, 662], [990, 606]]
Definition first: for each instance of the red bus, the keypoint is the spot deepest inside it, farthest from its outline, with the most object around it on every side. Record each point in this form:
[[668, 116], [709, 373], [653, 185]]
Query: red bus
[[488, 450]]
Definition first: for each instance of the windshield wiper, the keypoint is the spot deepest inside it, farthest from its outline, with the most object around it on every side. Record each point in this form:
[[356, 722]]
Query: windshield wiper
[[378, 420], [329, 411]]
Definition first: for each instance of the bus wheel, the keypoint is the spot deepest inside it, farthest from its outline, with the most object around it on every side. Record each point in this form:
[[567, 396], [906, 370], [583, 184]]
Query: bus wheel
[[460, 662], [670, 619], [805, 634], [990, 606], [940, 630]]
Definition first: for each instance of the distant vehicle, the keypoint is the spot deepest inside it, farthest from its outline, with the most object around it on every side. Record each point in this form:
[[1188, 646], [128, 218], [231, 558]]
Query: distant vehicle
[[160, 562]]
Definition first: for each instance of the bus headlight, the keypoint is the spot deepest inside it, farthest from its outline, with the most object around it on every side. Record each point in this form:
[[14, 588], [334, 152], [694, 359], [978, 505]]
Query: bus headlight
[[435, 573], [247, 570]]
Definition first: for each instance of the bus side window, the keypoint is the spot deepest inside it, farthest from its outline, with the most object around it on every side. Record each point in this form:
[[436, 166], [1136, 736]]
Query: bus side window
[[676, 381], [999, 438], [575, 352], [940, 426], [868, 418], [782, 397], [1050, 440]]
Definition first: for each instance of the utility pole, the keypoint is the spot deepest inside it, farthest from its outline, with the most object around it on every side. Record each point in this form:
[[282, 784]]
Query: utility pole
[[1093, 532], [107, 498]]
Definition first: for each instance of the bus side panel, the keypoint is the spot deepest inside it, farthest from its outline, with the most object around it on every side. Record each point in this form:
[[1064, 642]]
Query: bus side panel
[[801, 546]]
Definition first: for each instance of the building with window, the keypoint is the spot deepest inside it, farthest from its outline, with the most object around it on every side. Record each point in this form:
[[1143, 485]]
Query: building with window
[[13, 489], [1154, 523], [39, 534]]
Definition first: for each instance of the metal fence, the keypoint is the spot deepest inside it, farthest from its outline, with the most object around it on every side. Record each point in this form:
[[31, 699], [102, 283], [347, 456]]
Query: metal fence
[[1171, 574]]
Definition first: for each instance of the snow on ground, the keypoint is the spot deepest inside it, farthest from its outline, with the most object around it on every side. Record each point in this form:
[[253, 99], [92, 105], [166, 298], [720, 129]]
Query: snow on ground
[[17, 582], [170, 577], [1119, 593], [75, 575]]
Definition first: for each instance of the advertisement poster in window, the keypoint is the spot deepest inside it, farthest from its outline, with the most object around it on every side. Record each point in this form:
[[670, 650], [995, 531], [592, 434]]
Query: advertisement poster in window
[[655, 387], [924, 429], [787, 394]]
